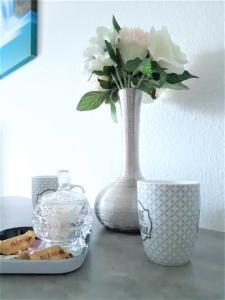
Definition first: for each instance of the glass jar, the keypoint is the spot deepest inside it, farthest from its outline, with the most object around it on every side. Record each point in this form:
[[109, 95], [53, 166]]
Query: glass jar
[[63, 217]]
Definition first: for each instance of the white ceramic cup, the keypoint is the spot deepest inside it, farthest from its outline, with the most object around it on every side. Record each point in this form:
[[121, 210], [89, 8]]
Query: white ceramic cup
[[168, 216]]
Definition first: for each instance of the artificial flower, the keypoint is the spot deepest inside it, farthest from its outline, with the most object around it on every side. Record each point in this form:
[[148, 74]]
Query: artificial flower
[[164, 51], [96, 55], [96, 62], [132, 43], [150, 56]]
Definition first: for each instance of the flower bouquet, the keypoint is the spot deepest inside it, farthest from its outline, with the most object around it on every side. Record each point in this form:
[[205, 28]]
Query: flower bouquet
[[119, 58]]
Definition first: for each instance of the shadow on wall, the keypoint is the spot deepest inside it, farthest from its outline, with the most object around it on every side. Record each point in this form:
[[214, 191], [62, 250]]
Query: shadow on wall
[[206, 93]]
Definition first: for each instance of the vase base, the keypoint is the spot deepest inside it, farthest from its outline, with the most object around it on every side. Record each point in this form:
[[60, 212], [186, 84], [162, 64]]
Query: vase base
[[126, 230], [116, 206], [118, 222], [131, 232]]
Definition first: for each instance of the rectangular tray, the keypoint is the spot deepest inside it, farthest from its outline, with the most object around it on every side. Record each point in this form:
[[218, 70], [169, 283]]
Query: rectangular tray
[[13, 266]]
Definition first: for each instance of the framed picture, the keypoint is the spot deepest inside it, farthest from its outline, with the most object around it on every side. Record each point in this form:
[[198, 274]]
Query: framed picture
[[18, 34]]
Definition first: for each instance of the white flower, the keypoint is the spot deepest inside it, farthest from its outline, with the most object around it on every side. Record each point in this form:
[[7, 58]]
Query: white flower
[[163, 50], [96, 55], [97, 63], [132, 43], [104, 33]]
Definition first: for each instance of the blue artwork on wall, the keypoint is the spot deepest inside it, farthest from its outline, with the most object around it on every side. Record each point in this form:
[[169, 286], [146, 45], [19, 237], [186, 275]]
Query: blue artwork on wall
[[18, 34]]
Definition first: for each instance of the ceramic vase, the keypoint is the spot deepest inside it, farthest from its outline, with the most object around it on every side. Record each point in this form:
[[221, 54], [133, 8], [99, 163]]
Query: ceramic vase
[[116, 204]]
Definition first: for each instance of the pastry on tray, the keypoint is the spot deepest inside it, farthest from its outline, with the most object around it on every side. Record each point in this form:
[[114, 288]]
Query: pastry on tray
[[14, 244], [26, 247]]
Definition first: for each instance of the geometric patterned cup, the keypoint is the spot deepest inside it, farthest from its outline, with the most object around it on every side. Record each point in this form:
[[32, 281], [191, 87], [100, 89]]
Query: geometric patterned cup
[[168, 216], [42, 184]]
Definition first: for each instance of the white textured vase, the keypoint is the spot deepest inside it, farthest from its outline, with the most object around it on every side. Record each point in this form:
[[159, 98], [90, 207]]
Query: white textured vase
[[116, 204], [168, 215]]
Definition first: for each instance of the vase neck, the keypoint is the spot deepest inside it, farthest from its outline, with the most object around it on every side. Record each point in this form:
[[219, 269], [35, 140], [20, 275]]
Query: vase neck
[[130, 104]]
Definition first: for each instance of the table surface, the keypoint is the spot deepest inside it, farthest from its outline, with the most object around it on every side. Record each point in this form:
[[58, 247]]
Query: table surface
[[117, 268]]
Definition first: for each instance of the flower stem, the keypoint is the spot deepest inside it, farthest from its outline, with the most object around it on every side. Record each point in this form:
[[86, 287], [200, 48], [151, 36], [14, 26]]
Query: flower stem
[[118, 76], [125, 80], [129, 82], [140, 81], [115, 81]]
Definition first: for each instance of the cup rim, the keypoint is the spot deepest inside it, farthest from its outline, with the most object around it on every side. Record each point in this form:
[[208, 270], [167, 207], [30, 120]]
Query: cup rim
[[44, 176], [168, 182]]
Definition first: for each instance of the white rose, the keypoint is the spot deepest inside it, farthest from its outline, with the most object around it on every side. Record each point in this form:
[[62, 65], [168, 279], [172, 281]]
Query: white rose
[[163, 50], [132, 43], [102, 34], [96, 55]]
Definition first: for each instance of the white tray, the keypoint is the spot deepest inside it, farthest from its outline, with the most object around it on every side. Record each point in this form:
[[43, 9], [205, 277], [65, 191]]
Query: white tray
[[14, 266]]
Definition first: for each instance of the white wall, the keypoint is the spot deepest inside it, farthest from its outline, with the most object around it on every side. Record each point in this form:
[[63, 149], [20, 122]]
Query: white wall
[[182, 133]]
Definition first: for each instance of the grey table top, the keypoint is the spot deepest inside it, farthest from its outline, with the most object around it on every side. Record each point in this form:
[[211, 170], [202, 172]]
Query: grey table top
[[117, 268]]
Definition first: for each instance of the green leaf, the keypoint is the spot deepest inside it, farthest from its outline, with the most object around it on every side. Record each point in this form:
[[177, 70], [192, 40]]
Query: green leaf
[[113, 111], [155, 83], [153, 93], [119, 58], [114, 95], [175, 86], [146, 67], [99, 73], [115, 24], [107, 70], [163, 77], [174, 78], [156, 67], [162, 74], [132, 65], [110, 51], [91, 100], [105, 84], [146, 87], [113, 98]]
